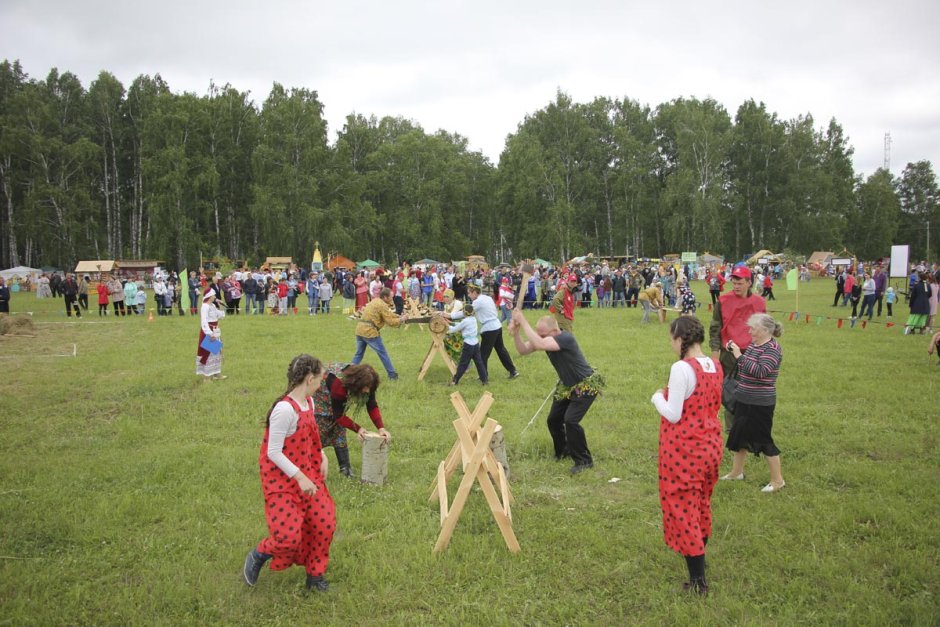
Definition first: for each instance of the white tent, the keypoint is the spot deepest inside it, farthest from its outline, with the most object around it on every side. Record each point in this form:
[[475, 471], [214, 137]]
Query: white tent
[[22, 272]]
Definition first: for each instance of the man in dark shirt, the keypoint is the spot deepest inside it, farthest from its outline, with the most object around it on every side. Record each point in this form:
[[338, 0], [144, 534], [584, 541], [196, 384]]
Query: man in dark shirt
[[881, 283], [69, 289], [575, 393], [618, 284], [4, 297], [840, 287]]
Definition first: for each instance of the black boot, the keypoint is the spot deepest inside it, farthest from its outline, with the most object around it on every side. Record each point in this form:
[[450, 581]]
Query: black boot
[[253, 564], [342, 457], [317, 582]]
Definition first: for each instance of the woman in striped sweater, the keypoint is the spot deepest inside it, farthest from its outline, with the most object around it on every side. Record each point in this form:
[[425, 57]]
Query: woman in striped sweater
[[756, 398]]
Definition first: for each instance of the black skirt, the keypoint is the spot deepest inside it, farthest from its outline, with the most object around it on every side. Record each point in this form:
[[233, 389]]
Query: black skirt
[[751, 429]]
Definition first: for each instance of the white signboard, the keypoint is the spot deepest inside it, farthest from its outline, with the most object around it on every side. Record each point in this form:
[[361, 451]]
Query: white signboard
[[899, 261], [841, 262]]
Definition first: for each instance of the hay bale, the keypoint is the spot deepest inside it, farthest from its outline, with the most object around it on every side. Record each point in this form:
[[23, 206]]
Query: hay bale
[[16, 326]]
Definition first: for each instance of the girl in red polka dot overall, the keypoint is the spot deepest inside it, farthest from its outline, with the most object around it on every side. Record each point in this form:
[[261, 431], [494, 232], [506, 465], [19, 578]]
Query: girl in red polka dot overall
[[689, 447], [299, 509]]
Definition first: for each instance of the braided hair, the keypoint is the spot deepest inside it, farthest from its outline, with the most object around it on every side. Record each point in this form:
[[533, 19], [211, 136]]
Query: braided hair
[[300, 366], [690, 330]]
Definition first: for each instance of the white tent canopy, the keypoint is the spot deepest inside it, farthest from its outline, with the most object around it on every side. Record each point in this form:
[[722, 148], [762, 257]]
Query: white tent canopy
[[21, 272]]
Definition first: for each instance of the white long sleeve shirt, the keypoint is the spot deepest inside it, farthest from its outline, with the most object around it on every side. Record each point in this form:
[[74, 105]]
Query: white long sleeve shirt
[[467, 327], [485, 311], [681, 385], [282, 425], [209, 313]]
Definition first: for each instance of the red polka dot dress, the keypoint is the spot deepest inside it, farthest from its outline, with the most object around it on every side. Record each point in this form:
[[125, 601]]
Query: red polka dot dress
[[689, 456], [301, 526]]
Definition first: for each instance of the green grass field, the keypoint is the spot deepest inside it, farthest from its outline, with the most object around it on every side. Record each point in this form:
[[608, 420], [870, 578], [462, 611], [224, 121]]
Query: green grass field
[[129, 489]]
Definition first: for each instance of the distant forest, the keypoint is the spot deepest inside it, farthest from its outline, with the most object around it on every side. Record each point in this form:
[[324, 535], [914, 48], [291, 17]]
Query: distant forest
[[142, 172]]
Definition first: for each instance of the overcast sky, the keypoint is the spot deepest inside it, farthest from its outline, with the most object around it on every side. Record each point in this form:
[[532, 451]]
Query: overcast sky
[[477, 68]]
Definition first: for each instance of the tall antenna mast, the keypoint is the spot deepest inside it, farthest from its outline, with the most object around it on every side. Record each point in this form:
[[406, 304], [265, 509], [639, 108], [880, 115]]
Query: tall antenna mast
[[887, 165]]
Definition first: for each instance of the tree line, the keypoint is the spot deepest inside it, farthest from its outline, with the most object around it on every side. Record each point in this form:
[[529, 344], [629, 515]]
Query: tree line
[[143, 172]]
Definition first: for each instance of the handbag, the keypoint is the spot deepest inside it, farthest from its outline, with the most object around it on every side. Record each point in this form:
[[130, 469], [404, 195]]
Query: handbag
[[729, 389]]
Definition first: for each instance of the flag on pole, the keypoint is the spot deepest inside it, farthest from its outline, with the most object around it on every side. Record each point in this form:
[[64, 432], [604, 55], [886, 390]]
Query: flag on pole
[[793, 276], [184, 287]]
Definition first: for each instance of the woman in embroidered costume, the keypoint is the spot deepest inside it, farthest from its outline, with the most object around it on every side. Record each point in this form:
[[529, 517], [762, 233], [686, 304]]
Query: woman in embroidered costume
[[209, 364]]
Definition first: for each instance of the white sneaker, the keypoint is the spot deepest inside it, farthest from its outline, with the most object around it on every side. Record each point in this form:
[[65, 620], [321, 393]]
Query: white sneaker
[[730, 477], [771, 488]]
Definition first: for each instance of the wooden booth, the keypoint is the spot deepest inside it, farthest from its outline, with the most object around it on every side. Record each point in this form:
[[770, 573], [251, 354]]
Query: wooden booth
[[98, 271], [140, 270], [279, 264]]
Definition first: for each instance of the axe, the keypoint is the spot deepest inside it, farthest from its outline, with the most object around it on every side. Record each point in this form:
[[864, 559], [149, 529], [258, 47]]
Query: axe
[[527, 270]]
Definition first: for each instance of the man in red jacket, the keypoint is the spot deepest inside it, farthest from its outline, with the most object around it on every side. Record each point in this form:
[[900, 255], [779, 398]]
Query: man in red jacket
[[729, 321]]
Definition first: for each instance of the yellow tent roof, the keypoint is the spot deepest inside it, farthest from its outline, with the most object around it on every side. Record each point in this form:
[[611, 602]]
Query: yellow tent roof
[[762, 254], [98, 265], [820, 257]]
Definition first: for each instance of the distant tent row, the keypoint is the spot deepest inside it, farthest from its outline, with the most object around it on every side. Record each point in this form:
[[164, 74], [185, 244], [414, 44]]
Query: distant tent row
[[21, 272]]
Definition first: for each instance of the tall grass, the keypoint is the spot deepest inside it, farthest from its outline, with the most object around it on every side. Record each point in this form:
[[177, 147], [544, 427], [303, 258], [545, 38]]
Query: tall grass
[[129, 489]]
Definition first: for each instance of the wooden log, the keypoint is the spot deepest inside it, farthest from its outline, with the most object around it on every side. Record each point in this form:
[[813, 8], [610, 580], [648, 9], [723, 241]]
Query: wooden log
[[374, 460], [498, 446]]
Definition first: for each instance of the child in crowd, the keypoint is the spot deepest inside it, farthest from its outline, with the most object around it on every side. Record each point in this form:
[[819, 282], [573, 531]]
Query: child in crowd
[[326, 295], [273, 301], [890, 299], [141, 301], [282, 295]]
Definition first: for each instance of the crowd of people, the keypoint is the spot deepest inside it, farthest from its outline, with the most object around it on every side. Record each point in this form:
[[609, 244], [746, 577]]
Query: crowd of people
[[740, 373], [312, 414]]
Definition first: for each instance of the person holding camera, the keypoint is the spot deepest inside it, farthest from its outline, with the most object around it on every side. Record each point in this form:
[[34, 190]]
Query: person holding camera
[[756, 398], [729, 322]]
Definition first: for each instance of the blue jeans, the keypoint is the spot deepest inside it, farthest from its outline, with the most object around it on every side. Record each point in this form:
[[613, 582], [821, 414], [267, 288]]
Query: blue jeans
[[868, 301], [379, 348], [249, 302], [505, 313]]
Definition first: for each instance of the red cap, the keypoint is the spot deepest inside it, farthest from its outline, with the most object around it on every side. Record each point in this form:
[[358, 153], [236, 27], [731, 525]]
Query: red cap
[[741, 272], [505, 280], [572, 277]]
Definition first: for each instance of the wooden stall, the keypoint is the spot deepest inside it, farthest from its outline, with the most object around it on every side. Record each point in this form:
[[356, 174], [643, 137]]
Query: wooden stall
[[97, 271]]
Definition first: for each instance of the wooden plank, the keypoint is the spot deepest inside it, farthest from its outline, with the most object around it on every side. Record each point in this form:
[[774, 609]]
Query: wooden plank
[[442, 491], [447, 529], [507, 497], [467, 444], [427, 363], [450, 465]]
